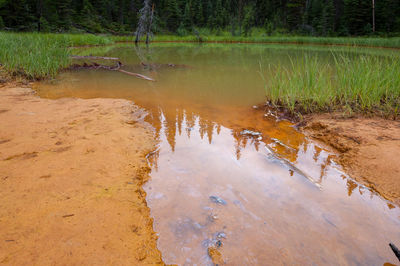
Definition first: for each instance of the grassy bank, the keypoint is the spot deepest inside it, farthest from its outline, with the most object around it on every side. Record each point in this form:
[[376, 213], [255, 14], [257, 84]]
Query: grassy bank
[[363, 84], [359, 41], [357, 83], [37, 56]]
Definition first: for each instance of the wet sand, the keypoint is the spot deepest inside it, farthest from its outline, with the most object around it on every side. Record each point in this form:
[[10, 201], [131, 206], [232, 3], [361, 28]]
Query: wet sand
[[369, 149], [71, 175]]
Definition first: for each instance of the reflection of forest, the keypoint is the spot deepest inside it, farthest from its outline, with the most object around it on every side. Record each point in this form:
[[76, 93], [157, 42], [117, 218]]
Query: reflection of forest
[[280, 137], [216, 91]]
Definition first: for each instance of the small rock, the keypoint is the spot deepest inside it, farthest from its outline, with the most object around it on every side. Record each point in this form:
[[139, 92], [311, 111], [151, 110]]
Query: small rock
[[212, 217], [220, 235], [218, 200]]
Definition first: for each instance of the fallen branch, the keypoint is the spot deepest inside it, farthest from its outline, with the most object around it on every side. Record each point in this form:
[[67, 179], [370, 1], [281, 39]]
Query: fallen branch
[[136, 75], [111, 68], [93, 57]]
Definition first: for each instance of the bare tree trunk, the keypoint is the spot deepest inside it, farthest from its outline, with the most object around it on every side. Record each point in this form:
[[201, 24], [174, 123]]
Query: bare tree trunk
[[149, 25], [145, 21], [137, 37]]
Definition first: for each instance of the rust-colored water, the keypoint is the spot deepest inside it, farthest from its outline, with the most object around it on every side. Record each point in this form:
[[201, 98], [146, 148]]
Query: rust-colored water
[[287, 202]]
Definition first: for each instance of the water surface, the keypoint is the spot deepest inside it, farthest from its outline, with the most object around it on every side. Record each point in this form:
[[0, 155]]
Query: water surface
[[285, 199]]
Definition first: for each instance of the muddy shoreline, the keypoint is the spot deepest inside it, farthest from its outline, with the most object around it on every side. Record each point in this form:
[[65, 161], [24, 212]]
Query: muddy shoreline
[[368, 148], [71, 174]]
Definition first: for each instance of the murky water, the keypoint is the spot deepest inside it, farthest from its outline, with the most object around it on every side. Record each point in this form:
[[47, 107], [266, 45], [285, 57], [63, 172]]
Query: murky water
[[275, 199]]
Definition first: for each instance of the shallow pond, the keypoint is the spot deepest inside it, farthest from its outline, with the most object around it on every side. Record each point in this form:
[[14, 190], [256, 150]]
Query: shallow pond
[[278, 198]]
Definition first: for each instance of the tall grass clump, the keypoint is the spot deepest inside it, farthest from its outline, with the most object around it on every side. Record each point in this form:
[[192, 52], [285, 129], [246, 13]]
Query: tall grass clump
[[369, 84], [303, 86], [38, 56], [361, 84], [32, 55]]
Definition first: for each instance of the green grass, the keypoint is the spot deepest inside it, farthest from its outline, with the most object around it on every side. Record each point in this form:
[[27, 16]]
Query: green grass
[[83, 39], [361, 84], [259, 37], [37, 56]]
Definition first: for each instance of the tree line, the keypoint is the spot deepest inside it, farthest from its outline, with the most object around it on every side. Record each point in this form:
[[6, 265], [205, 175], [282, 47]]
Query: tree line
[[308, 17]]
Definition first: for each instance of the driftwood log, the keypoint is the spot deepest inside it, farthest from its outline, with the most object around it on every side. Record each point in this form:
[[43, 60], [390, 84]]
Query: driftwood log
[[136, 75], [117, 67], [150, 66]]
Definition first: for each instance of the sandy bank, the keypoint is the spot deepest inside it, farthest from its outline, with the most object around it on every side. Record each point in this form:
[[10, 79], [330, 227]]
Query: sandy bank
[[369, 149], [71, 172]]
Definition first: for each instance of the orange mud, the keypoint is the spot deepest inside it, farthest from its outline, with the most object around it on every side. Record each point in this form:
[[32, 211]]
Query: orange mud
[[71, 175], [369, 149]]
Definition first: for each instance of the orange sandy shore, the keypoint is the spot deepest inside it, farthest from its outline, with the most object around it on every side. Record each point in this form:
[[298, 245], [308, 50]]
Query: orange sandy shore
[[71, 175], [369, 149]]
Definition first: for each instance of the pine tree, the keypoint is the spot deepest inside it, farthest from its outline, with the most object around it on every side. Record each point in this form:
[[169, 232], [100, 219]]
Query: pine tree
[[387, 15], [248, 19], [3, 3], [19, 15], [187, 16], [295, 10], [198, 18], [218, 15], [44, 25], [357, 15], [262, 11], [210, 12], [173, 18], [320, 17], [314, 14], [328, 18], [64, 12]]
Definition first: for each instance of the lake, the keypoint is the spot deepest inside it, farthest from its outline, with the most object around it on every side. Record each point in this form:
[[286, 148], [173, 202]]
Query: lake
[[226, 174]]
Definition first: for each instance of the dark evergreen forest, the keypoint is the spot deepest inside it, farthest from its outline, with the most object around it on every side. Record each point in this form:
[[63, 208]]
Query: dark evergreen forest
[[307, 17]]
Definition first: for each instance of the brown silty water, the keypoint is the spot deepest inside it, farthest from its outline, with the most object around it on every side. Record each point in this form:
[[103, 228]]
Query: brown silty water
[[229, 178]]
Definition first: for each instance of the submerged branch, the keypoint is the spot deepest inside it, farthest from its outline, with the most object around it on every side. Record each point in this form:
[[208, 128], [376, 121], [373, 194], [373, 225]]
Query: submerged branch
[[136, 75], [119, 64], [292, 167], [111, 68]]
